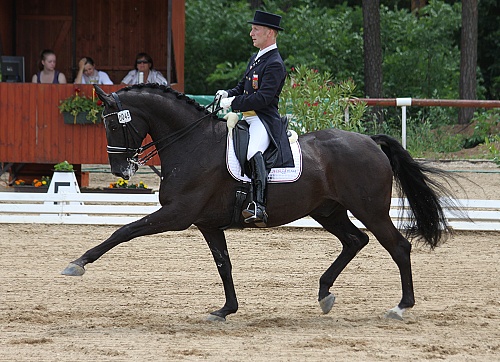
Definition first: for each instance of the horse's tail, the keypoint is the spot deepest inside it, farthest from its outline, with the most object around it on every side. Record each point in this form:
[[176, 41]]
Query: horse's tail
[[427, 220]]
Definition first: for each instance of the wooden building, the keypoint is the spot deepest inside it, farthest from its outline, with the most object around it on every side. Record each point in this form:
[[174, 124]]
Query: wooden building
[[112, 32]]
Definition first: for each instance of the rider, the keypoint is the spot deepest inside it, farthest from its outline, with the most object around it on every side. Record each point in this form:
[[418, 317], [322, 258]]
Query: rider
[[257, 97]]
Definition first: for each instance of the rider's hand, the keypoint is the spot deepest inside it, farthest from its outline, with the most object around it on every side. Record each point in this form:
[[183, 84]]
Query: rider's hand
[[225, 103], [221, 94]]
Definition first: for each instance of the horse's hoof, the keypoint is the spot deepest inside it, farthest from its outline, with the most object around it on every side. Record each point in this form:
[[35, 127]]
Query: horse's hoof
[[73, 270], [326, 303], [395, 313], [215, 318]]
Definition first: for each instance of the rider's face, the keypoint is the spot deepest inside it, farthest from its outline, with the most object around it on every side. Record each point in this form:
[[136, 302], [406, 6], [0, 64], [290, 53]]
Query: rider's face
[[260, 36]]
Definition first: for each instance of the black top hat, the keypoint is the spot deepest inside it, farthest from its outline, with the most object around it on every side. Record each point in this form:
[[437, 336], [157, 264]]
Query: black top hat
[[266, 19]]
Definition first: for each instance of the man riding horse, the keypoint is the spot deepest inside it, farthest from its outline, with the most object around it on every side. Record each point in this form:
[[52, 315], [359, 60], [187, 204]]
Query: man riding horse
[[257, 97]]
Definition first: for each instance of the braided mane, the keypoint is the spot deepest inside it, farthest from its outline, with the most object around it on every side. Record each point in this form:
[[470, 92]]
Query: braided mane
[[167, 89]]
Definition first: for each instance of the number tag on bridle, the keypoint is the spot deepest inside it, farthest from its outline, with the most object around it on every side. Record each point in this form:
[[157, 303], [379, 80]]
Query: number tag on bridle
[[124, 116]]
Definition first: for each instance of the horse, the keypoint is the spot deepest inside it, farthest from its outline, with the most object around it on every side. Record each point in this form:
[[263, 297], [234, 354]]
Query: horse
[[342, 172]]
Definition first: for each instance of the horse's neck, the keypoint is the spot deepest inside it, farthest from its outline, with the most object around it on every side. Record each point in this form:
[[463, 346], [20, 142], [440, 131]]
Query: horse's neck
[[191, 146], [180, 127]]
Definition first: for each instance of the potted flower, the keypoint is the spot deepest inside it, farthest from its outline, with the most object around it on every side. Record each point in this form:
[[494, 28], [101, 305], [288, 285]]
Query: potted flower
[[123, 186], [37, 185], [44, 182], [64, 166], [79, 109], [64, 176]]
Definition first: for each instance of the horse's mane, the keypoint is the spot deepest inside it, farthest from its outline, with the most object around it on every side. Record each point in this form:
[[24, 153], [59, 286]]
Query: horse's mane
[[168, 89]]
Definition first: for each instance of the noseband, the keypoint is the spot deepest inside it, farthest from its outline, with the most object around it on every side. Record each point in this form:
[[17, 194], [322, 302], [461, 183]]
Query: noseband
[[125, 118]]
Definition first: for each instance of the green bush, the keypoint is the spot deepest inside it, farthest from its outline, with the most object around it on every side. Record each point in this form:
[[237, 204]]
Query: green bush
[[313, 101]]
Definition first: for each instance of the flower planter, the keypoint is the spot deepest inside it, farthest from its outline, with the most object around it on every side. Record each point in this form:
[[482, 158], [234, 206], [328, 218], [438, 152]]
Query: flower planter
[[118, 190], [30, 188], [80, 118]]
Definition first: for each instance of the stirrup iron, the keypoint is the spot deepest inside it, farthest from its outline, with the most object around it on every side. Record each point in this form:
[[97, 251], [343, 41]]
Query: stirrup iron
[[250, 215]]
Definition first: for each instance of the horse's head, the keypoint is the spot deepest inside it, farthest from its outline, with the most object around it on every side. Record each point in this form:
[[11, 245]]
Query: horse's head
[[170, 117], [124, 137]]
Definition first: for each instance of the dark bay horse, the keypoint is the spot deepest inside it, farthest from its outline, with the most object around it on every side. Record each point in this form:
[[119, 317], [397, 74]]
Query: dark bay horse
[[342, 171]]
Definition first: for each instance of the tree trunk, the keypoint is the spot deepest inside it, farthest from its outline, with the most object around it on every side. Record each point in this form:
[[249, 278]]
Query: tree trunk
[[255, 4], [372, 48], [417, 4], [468, 58]]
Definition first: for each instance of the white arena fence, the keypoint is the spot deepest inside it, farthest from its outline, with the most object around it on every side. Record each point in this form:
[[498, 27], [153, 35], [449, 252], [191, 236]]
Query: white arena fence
[[121, 209]]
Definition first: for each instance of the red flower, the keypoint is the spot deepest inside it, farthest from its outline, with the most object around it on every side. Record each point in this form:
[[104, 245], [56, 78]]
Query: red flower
[[99, 102]]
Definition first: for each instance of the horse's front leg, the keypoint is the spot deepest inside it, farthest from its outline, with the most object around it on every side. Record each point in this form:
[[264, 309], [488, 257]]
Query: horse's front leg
[[154, 223], [216, 241]]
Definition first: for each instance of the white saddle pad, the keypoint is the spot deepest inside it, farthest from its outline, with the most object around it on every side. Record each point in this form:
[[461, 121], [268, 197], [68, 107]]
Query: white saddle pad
[[277, 175]]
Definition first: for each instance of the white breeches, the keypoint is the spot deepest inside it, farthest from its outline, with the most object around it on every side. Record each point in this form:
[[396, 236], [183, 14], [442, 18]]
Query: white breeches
[[259, 139]]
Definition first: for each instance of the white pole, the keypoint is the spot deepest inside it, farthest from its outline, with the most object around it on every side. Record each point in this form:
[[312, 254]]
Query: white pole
[[403, 102], [403, 126]]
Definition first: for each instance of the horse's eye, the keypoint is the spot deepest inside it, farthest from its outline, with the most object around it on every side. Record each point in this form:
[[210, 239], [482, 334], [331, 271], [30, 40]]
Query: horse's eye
[[113, 126]]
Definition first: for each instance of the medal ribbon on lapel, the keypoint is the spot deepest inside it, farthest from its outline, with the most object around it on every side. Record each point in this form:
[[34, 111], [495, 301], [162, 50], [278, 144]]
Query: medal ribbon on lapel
[[255, 81]]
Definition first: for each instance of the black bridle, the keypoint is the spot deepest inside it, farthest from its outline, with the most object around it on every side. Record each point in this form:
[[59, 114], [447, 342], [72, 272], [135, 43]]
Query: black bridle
[[125, 118]]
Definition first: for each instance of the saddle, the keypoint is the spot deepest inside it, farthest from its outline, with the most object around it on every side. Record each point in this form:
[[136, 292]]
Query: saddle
[[238, 166], [240, 133]]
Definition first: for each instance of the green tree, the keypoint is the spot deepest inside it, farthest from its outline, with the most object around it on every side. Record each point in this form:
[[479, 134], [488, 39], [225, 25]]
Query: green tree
[[489, 46], [420, 51], [216, 32], [421, 55], [324, 39]]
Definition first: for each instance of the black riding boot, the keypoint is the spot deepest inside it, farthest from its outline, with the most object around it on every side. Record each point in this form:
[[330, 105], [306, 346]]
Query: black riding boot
[[256, 210]]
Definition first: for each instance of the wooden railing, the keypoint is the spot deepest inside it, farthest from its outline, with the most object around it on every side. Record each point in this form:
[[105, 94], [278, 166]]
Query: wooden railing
[[33, 131]]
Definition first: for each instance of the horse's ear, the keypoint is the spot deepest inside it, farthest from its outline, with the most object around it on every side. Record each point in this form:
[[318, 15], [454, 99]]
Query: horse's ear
[[103, 96]]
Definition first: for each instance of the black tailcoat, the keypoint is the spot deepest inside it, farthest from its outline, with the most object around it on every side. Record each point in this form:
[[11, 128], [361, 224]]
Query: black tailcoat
[[259, 91]]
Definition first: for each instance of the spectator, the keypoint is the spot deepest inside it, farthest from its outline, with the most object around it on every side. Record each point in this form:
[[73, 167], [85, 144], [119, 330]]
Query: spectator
[[88, 74], [48, 72], [144, 72]]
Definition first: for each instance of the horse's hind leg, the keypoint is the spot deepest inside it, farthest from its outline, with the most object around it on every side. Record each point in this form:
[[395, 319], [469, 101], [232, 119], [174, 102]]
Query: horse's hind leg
[[352, 239], [216, 241], [399, 248]]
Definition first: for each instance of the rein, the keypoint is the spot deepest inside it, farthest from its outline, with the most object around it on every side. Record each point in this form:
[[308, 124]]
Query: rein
[[175, 136], [125, 118]]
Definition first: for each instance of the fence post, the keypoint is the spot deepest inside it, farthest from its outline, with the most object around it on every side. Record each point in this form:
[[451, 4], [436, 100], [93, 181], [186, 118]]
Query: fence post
[[403, 102]]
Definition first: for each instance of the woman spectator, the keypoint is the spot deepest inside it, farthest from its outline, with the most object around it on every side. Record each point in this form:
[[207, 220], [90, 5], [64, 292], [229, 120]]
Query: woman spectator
[[88, 74], [144, 72], [48, 72]]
